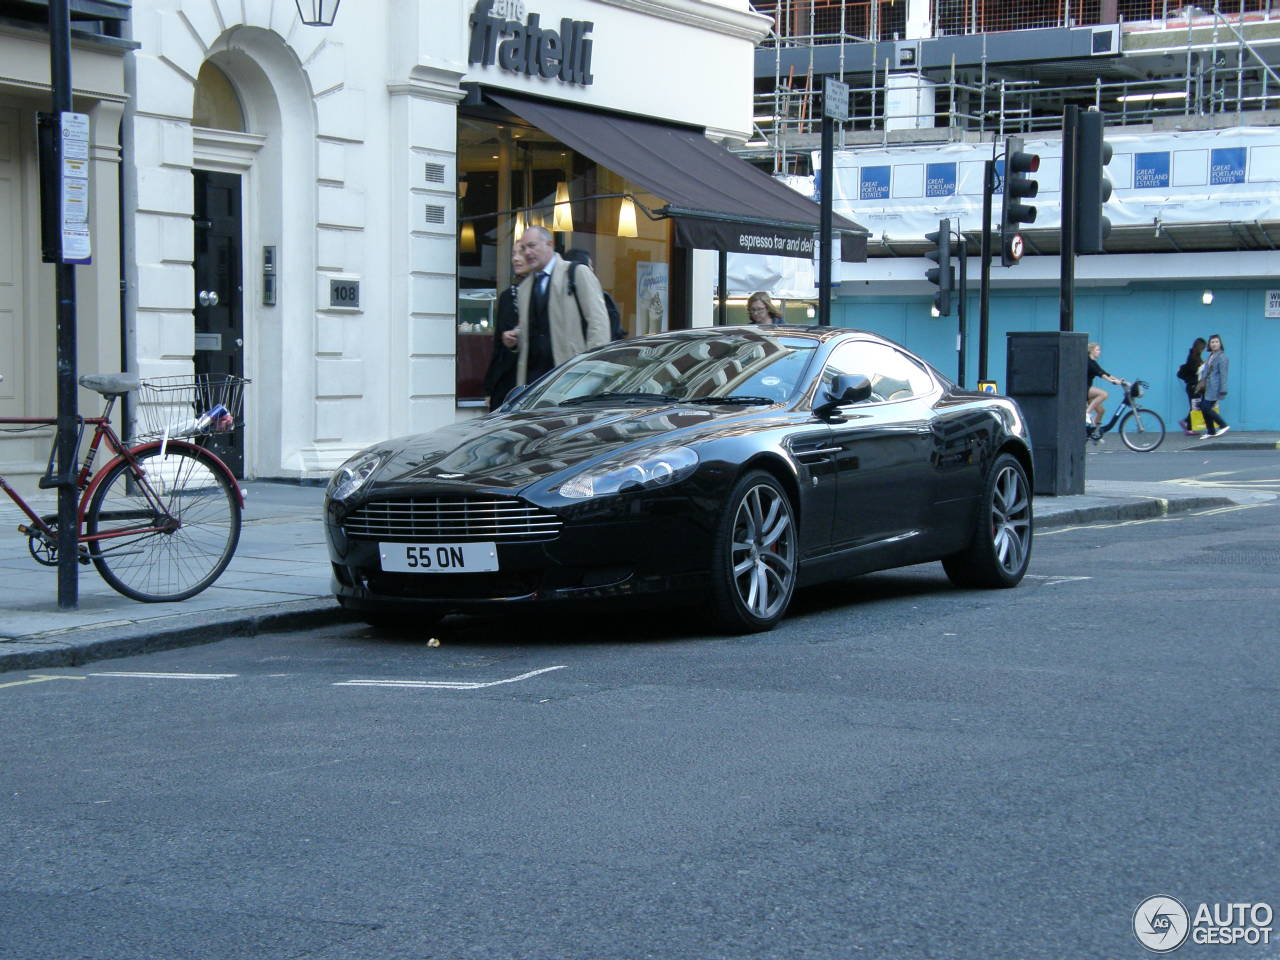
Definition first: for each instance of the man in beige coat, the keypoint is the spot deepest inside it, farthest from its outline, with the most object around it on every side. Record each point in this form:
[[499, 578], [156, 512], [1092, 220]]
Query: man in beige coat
[[554, 323]]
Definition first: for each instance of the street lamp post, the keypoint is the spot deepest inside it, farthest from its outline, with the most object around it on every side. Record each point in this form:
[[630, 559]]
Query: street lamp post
[[68, 434]]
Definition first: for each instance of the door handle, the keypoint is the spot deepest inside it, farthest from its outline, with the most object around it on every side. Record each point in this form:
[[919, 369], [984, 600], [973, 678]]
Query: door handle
[[239, 342], [207, 298]]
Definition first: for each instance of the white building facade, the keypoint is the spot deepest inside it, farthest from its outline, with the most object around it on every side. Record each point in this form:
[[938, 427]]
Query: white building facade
[[297, 188]]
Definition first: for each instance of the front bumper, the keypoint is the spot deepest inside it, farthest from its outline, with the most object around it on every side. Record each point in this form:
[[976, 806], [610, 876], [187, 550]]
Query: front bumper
[[631, 546]]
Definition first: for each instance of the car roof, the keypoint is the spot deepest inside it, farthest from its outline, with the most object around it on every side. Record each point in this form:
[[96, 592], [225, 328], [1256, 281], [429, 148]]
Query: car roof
[[817, 334]]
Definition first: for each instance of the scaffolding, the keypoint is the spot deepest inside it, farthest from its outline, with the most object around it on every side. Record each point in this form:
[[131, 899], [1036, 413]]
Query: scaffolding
[[1212, 66]]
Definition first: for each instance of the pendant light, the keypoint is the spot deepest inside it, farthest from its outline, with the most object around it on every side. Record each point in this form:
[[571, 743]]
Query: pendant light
[[562, 218], [627, 218]]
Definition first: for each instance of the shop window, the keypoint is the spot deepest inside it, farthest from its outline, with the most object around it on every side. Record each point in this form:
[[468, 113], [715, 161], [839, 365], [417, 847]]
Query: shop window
[[511, 176]]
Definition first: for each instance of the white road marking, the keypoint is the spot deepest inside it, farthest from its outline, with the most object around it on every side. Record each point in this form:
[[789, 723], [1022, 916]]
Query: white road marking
[[170, 676], [443, 684], [1052, 580], [1207, 480]]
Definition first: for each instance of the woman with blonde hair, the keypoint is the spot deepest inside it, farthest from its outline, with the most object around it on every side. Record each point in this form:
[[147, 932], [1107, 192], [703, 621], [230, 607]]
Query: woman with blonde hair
[[1097, 396], [762, 309]]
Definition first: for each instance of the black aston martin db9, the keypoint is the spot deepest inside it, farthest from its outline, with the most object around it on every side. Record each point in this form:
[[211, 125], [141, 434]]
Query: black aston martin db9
[[728, 465]]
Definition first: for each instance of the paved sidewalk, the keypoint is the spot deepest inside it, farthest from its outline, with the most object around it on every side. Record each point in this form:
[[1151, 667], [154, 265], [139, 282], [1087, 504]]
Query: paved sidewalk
[[279, 578]]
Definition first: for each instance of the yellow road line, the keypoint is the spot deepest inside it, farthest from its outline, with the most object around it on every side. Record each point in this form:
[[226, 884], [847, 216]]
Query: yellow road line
[[38, 678]]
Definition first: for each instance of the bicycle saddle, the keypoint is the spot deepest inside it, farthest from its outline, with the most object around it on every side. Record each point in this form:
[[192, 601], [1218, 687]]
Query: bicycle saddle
[[110, 384]]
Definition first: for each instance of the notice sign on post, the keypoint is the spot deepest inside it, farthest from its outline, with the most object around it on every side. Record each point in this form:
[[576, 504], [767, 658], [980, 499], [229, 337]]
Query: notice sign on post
[[835, 99], [75, 188], [64, 187]]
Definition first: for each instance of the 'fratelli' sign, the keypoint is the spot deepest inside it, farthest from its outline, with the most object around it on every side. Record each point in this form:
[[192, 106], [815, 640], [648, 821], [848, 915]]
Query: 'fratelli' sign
[[526, 47]]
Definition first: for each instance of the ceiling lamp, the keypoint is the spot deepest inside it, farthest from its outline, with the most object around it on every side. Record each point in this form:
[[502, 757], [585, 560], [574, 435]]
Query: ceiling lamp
[[467, 242], [1207, 297], [317, 13], [562, 218], [627, 218]]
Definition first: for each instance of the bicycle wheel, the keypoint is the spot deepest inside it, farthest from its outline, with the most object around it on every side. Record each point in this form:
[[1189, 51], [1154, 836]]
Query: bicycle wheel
[[1142, 430], [170, 537]]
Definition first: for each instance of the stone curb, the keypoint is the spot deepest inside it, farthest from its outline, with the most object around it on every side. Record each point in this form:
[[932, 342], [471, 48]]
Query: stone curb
[[1239, 445], [1144, 509], [73, 648]]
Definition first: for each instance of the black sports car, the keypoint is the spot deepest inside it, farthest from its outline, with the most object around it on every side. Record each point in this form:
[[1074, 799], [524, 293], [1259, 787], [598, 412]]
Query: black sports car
[[728, 465]]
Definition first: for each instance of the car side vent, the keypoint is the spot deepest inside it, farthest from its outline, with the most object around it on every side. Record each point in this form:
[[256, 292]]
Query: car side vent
[[451, 520]]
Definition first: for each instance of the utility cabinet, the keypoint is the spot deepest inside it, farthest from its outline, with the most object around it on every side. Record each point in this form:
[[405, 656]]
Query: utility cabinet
[[1046, 374]]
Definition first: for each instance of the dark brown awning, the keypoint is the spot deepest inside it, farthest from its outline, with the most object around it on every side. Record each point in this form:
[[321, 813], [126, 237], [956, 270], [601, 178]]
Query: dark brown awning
[[718, 200]]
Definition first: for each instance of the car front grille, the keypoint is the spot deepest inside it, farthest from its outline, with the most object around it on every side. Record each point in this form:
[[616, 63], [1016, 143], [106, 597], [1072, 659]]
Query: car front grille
[[451, 520]]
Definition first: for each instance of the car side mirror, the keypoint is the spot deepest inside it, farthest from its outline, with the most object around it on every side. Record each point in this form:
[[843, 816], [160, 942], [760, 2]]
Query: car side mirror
[[845, 389]]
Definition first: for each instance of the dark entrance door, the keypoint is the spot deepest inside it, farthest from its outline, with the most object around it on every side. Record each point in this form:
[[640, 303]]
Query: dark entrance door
[[219, 303]]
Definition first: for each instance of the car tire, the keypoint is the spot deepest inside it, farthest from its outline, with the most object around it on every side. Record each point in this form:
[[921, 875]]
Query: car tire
[[754, 556], [1000, 547]]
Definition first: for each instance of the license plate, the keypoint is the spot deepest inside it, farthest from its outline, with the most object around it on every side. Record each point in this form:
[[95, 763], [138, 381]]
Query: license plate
[[438, 557]]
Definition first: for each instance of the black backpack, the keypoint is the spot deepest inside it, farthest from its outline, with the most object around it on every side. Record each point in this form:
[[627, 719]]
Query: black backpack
[[616, 331]]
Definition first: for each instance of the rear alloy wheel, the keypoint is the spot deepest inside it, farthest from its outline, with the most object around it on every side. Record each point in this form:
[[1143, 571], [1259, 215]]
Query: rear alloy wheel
[[1000, 550], [753, 563]]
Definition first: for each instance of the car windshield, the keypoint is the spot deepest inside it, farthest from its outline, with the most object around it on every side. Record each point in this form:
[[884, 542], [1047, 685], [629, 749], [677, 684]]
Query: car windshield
[[740, 367]]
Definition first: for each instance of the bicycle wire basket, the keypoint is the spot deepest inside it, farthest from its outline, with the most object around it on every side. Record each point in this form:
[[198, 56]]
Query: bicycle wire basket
[[195, 405], [1137, 388]]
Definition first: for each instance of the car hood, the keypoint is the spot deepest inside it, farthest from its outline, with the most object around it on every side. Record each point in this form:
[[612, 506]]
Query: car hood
[[514, 450]]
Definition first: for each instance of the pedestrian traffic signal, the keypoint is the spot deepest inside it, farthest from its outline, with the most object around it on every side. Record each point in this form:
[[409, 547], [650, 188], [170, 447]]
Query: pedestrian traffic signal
[[1093, 189], [1017, 187], [942, 276]]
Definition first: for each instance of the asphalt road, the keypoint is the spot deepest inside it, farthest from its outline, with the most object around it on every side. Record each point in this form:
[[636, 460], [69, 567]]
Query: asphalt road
[[901, 770]]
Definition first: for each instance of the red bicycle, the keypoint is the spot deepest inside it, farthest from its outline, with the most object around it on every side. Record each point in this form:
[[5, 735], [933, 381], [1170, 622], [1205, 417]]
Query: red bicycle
[[161, 520]]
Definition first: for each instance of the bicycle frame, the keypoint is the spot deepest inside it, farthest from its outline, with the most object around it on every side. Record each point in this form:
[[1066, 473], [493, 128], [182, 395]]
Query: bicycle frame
[[1125, 406], [102, 430], [87, 481]]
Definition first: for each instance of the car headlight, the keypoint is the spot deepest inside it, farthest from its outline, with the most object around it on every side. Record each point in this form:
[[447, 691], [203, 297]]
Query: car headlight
[[658, 469], [353, 474]]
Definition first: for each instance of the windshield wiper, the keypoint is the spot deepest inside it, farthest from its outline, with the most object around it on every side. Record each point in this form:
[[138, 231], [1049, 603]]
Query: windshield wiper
[[620, 397], [739, 400]]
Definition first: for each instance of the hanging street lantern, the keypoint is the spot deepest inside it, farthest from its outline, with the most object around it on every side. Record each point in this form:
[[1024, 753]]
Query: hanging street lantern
[[317, 13]]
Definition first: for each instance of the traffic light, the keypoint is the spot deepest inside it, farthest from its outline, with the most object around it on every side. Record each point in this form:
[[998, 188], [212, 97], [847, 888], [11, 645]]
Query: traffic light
[[1017, 187], [943, 275], [1092, 186]]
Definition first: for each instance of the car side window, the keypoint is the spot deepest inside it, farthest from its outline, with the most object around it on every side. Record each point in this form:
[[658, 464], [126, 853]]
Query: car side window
[[893, 375]]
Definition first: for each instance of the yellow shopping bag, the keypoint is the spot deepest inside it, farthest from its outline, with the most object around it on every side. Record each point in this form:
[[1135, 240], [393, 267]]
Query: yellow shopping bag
[[1197, 418]]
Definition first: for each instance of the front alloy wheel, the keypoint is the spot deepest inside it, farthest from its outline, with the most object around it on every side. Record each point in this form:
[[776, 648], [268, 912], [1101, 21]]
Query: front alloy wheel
[[754, 557]]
